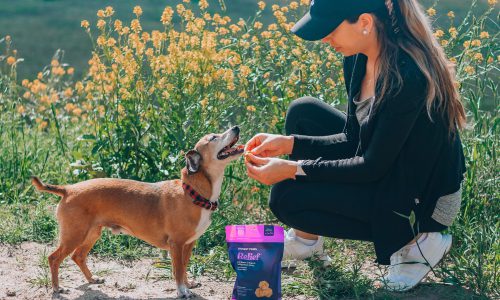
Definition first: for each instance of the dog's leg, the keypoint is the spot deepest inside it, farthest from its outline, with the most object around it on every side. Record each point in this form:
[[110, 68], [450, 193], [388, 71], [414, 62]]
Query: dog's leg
[[179, 270], [72, 235], [69, 242], [186, 255], [80, 254]]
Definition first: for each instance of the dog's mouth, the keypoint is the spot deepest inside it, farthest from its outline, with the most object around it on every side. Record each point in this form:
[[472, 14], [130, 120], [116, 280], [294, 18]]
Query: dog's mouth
[[231, 150]]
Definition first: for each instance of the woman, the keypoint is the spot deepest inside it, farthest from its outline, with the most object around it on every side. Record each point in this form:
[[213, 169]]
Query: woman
[[390, 170]]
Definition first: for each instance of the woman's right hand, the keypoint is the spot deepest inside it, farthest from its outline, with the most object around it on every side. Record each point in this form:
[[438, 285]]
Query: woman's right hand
[[269, 145]]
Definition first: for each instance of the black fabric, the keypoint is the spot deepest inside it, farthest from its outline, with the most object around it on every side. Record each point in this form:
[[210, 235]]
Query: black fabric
[[410, 160], [325, 15]]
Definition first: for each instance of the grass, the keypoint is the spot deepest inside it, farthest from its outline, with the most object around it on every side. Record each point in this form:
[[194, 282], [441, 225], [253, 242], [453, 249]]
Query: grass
[[97, 127]]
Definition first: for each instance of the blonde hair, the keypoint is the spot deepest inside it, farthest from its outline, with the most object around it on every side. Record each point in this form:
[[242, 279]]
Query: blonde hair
[[403, 25]]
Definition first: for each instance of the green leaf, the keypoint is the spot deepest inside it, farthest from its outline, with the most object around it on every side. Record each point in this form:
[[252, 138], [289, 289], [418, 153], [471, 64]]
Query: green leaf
[[412, 218], [77, 155]]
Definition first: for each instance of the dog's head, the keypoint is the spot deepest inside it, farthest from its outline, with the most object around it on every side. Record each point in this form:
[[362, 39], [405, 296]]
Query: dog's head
[[214, 151]]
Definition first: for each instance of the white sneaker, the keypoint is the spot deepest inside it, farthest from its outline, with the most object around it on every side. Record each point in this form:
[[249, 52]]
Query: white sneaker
[[297, 250], [408, 267]]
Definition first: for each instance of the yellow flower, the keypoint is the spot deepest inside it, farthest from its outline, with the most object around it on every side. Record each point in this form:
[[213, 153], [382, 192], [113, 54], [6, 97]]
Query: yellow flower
[[137, 11], [492, 2], [203, 4], [453, 32], [85, 24], [11, 60], [439, 33], [39, 75], [118, 25], [77, 111], [266, 34], [100, 13], [478, 57], [272, 27], [466, 44], [243, 94], [71, 71], [261, 5], [453, 60], [274, 99], [484, 35], [26, 95], [469, 70], [234, 28], [21, 109], [476, 43], [43, 125], [257, 25], [54, 63], [135, 25], [111, 42], [251, 108], [109, 11], [294, 5], [444, 43], [167, 14], [68, 92], [431, 12], [101, 24], [451, 14], [204, 102], [490, 59]]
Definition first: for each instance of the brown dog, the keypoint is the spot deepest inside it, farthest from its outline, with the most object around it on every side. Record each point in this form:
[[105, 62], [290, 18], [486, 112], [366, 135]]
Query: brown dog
[[163, 213]]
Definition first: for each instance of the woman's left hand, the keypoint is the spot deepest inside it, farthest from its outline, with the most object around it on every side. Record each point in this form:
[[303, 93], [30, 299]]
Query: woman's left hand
[[269, 170]]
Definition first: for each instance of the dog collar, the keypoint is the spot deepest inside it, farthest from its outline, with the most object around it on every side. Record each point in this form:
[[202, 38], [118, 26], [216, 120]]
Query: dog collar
[[198, 199]]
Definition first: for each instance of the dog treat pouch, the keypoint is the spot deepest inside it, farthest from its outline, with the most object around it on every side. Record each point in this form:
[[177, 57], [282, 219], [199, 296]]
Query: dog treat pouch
[[255, 252]]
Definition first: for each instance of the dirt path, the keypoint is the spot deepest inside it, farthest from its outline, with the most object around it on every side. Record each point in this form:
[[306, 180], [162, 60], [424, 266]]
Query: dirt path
[[23, 276]]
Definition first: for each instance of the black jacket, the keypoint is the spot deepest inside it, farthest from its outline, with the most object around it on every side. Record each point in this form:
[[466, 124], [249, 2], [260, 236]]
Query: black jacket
[[411, 158]]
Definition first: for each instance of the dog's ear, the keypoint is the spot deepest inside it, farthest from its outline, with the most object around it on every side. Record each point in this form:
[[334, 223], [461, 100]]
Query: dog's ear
[[193, 159]]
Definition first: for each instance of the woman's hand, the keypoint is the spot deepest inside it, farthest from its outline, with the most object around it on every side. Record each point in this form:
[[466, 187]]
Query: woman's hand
[[269, 170], [269, 145]]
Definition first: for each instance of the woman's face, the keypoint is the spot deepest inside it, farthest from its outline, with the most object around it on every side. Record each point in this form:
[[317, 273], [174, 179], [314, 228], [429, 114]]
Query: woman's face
[[349, 39]]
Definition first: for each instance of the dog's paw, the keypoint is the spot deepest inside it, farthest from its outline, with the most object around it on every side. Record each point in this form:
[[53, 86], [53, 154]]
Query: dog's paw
[[96, 281], [184, 293], [191, 284], [60, 291]]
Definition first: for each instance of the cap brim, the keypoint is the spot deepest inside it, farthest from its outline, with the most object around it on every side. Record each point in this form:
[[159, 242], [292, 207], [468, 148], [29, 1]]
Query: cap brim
[[313, 29]]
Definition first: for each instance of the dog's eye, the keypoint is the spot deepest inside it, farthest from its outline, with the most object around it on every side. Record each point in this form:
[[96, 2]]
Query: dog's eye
[[212, 138]]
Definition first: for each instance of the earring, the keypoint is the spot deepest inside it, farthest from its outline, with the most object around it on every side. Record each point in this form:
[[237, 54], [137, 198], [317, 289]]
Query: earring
[[365, 31]]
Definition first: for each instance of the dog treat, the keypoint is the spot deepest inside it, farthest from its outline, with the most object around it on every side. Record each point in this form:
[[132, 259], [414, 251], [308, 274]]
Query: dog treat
[[263, 290], [255, 252]]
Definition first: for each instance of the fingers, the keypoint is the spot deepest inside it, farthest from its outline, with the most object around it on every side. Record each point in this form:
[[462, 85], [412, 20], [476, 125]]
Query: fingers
[[252, 171], [253, 142], [255, 160]]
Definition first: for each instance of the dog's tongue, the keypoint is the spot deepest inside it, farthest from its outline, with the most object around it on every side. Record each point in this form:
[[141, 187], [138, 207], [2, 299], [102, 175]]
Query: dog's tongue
[[234, 150]]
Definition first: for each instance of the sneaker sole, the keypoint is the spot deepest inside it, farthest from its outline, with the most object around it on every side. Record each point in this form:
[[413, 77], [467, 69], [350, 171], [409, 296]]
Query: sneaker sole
[[435, 265]]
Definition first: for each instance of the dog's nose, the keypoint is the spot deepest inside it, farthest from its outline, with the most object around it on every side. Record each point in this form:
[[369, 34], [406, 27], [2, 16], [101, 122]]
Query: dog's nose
[[236, 129]]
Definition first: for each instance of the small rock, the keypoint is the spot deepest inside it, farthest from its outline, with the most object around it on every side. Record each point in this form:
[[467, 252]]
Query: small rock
[[11, 293]]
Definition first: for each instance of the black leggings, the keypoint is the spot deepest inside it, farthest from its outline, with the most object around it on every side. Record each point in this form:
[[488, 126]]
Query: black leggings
[[339, 210]]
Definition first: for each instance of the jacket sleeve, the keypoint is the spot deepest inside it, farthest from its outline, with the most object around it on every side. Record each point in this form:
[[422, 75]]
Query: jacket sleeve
[[340, 145], [393, 125]]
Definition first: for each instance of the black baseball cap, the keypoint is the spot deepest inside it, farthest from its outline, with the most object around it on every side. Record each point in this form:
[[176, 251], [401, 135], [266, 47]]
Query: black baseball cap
[[325, 15]]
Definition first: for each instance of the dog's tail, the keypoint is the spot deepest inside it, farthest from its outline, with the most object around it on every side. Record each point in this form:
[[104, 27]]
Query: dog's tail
[[50, 188]]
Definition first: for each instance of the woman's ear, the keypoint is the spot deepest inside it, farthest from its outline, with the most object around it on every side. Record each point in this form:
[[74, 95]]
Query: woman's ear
[[193, 159], [365, 21]]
